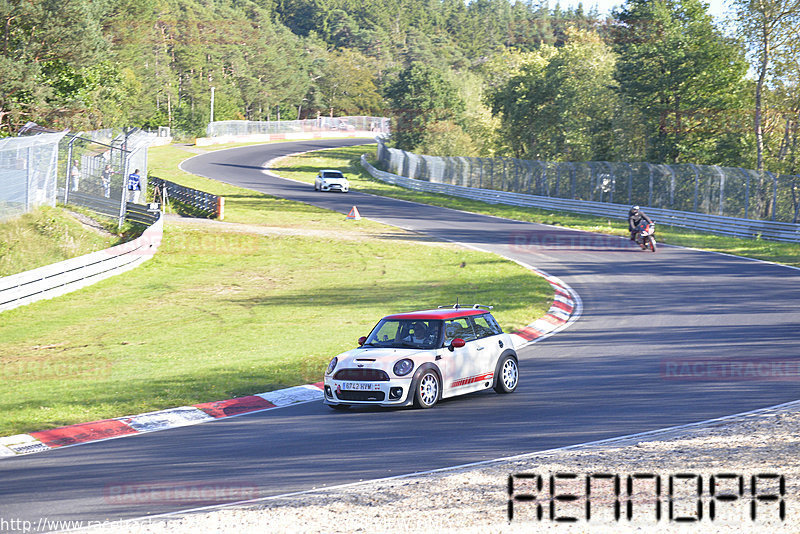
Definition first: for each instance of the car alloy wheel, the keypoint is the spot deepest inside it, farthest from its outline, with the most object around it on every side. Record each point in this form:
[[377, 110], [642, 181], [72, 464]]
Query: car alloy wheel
[[427, 390], [509, 376]]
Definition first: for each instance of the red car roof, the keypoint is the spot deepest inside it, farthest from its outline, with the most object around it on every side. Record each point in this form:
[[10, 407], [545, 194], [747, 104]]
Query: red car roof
[[441, 313]]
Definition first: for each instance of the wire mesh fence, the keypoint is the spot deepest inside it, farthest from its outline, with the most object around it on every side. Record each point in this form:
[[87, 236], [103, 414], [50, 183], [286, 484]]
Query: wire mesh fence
[[95, 169], [320, 124], [28, 168], [708, 189]]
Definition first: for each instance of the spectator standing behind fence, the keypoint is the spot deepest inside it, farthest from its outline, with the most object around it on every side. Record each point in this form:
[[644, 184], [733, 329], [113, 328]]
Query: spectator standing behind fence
[[75, 175], [106, 178], [134, 186]]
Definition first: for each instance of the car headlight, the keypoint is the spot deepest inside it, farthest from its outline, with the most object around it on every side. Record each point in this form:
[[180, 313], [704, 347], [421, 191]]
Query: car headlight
[[403, 367], [332, 366]]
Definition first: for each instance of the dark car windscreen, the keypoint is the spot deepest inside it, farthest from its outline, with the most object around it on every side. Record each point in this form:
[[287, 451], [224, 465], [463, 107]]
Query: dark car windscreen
[[405, 334]]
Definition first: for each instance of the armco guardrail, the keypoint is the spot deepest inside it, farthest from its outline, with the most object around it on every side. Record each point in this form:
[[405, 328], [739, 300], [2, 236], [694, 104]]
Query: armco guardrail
[[205, 203], [747, 228], [66, 276]]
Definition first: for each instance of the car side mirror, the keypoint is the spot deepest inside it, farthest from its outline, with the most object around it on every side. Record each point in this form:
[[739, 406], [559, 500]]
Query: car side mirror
[[362, 340], [457, 343]]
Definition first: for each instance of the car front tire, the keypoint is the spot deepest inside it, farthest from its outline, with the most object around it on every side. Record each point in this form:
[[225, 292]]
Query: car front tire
[[507, 375], [427, 391]]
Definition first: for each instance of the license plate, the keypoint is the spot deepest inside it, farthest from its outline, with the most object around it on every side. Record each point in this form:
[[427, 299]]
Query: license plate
[[361, 386]]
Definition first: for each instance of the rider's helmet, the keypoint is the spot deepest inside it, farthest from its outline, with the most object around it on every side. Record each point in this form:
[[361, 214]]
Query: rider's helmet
[[634, 209]]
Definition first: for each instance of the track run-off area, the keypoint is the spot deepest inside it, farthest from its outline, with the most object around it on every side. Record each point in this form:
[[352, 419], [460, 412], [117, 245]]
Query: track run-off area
[[620, 369]]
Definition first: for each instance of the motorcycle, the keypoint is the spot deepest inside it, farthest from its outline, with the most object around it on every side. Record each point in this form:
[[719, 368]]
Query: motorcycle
[[645, 235]]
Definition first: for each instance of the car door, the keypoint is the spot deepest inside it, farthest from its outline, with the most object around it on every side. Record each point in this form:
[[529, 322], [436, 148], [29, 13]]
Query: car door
[[462, 369], [489, 342]]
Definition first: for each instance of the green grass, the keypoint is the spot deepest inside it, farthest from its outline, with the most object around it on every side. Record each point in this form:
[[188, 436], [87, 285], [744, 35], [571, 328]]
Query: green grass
[[231, 310], [48, 235], [304, 167]]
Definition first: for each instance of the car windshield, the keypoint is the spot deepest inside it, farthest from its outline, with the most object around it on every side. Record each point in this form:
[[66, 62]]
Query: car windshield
[[332, 175], [405, 334]]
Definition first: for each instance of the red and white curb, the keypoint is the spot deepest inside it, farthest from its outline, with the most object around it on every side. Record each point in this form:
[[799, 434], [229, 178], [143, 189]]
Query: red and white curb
[[67, 436], [565, 310]]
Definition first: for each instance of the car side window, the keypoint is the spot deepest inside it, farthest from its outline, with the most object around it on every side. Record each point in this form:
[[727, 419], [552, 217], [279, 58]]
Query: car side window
[[454, 328], [493, 324], [483, 328]]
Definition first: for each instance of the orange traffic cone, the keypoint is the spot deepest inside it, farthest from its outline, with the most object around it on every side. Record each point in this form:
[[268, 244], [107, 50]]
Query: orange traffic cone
[[354, 215]]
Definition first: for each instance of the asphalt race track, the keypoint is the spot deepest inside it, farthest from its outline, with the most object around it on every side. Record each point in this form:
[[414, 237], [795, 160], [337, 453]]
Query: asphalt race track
[[609, 374]]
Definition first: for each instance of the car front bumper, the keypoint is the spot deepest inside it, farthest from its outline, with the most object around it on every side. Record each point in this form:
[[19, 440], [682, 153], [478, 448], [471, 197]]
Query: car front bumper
[[395, 392], [344, 188]]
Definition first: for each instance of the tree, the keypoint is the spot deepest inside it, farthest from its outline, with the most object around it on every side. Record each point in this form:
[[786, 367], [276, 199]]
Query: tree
[[563, 103], [770, 27], [680, 73], [419, 97], [346, 86], [40, 42]]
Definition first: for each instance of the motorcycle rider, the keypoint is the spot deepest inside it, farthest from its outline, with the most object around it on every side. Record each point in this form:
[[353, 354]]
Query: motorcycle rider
[[635, 217]]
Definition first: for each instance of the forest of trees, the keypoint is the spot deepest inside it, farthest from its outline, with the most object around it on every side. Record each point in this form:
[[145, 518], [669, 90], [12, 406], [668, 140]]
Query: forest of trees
[[657, 81]]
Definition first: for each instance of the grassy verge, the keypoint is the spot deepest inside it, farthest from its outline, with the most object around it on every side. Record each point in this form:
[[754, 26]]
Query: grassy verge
[[48, 235], [230, 310], [304, 168]]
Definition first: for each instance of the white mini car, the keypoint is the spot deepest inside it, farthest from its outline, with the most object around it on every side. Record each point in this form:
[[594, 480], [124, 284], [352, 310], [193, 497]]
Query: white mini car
[[331, 180], [422, 357]]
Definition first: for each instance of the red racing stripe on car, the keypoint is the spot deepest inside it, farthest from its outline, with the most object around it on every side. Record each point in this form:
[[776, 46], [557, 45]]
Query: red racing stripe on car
[[471, 380], [230, 407], [81, 433]]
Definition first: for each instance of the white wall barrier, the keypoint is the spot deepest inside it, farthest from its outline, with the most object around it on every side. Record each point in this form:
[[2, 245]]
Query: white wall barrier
[[72, 274], [266, 138]]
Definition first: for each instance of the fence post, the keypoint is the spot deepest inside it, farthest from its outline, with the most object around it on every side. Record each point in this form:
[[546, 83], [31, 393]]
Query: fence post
[[69, 166], [28, 176], [650, 192], [572, 179], [774, 193], [671, 187], [696, 185], [613, 182], [746, 191], [124, 195], [721, 175], [630, 182]]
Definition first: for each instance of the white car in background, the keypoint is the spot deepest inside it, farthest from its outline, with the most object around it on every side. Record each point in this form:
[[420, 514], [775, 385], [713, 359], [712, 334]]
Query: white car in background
[[331, 180], [421, 357]]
